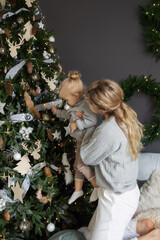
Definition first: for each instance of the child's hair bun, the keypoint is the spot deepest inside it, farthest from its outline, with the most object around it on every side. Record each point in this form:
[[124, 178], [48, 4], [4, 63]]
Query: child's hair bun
[[74, 75]]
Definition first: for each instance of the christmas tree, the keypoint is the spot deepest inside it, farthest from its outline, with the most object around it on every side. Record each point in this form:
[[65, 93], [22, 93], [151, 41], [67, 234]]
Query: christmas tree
[[34, 148]]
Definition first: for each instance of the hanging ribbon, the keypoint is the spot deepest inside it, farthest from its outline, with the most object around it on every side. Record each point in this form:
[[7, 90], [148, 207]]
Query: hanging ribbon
[[10, 14]]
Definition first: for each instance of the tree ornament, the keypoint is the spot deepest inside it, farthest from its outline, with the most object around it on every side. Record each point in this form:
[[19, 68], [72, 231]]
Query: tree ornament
[[3, 50], [7, 216], [1, 107], [25, 132], [51, 39], [68, 173], [28, 31], [34, 30], [35, 76], [57, 135], [34, 18], [1, 143], [14, 46], [25, 225], [45, 117], [47, 172], [51, 50], [46, 55], [42, 199], [9, 87], [20, 20], [1, 14], [50, 227], [38, 90], [50, 81], [3, 3], [5, 70], [50, 136], [29, 67], [23, 166], [33, 92], [7, 32], [18, 192], [2, 204], [41, 25], [30, 105], [14, 24], [13, 3], [17, 156], [29, 3]]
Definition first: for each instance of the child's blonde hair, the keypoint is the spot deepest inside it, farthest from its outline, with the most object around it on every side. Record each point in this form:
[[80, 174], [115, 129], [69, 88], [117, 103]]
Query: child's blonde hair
[[107, 95], [72, 84]]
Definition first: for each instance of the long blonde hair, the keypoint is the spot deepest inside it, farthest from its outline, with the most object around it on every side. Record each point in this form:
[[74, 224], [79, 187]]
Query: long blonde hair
[[72, 84], [107, 95]]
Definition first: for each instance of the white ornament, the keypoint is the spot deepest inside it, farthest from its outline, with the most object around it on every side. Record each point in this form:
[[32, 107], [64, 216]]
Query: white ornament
[[67, 173], [1, 107], [66, 107], [11, 181], [29, 2], [50, 81], [46, 55], [50, 227], [17, 156], [23, 166], [41, 25], [57, 135], [51, 39], [13, 46], [2, 204], [25, 132], [28, 31], [1, 31], [67, 130], [34, 152]]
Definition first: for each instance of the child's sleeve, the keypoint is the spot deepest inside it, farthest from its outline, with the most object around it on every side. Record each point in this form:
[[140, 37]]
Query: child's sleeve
[[62, 114], [89, 120]]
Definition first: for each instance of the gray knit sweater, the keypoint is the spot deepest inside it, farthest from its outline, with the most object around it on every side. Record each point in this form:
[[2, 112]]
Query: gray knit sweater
[[87, 125], [107, 150]]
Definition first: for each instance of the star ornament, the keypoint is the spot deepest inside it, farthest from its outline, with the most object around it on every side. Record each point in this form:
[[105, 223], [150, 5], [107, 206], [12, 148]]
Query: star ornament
[[1, 107], [41, 25], [18, 192], [57, 135]]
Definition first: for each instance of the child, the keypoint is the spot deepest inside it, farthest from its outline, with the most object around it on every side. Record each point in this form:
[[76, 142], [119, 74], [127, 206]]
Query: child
[[72, 91], [113, 149]]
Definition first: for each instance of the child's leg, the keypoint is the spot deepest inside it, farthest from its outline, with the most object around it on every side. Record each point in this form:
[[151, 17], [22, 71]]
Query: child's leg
[[94, 195]]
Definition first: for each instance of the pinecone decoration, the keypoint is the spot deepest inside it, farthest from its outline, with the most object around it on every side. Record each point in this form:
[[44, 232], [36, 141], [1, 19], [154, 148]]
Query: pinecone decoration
[[50, 136], [1, 143], [34, 30], [13, 3], [7, 32], [29, 67], [1, 14], [9, 88], [47, 171], [7, 216]]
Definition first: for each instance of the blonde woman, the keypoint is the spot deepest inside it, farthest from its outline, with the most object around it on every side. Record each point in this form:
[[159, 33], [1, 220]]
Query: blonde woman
[[113, 149], [72, 91]]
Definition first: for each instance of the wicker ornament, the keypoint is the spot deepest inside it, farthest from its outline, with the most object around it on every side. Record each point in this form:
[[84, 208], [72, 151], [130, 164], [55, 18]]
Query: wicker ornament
[[13, 3], [33, 92], [1, 14], [7, 216], [50, 136], [47, 171], [9, 88], [7, 32], [29, 67], [1, 143], [34, 30]]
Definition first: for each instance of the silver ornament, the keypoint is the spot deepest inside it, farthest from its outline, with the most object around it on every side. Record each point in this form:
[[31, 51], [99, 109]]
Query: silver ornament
[[3, 50], [20, 20], [25, 225]]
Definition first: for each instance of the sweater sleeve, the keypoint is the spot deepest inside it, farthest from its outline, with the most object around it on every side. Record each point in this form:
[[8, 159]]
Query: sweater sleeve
[[98, 147], [62, 114], [89, 120]]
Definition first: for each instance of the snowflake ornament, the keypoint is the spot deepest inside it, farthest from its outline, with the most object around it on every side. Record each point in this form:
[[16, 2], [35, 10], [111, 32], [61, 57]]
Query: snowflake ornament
[[25, 132], [46, 55]]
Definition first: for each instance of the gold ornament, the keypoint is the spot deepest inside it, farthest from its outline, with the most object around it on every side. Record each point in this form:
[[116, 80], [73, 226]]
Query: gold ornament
[[20, 20], [25, 225], [35, 76], [3, 50], [45, 117], [7, 216], [47, 172]]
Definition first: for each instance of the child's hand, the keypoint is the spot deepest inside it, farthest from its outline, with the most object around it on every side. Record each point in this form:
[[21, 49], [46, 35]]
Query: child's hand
[[73, 127], [54, 110]]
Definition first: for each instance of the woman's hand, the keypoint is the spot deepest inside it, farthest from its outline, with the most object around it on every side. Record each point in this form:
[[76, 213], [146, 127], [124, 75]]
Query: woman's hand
[[79, 115]]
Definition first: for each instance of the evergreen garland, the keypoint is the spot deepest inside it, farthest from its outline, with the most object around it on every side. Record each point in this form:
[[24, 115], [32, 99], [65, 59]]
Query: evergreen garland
[[150, 87], [150, 20]]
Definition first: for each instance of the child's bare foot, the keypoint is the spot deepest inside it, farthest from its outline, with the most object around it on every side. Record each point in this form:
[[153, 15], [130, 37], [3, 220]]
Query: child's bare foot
[[153, 235], [144, 226]]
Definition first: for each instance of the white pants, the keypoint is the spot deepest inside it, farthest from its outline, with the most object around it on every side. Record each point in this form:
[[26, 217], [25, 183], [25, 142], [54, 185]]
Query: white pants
[[113, 213]]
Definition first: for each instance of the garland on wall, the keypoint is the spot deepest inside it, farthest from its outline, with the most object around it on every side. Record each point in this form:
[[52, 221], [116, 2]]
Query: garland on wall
[[146, 85], [150, 20]]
